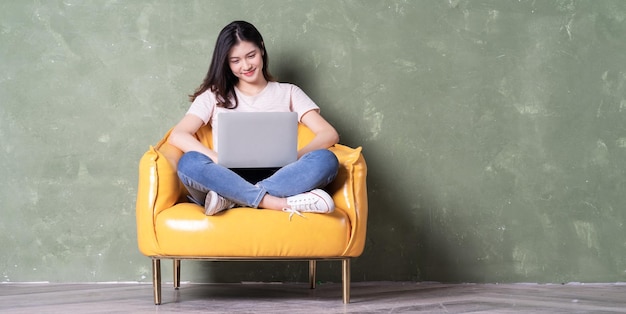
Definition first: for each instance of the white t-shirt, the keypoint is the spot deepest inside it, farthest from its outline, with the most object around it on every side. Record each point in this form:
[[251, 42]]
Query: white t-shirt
[[275, 97]]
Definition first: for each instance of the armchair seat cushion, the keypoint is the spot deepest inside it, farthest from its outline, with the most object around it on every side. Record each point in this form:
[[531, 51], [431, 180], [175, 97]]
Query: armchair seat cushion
[[184, 230]]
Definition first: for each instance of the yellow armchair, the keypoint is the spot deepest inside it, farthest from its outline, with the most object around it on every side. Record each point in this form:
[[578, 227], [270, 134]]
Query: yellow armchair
[[170, 227]]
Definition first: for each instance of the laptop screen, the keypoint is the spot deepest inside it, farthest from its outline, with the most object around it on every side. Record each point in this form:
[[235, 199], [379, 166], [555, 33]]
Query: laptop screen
[[257, 139]]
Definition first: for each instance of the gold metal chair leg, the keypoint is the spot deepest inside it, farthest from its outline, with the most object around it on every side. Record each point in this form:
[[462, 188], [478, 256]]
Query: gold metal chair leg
[[176, 274], [312, 273], [345, 269], [156, 280]]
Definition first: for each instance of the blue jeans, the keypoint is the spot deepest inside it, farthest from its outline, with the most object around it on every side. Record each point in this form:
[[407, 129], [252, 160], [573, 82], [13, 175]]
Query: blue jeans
[[200, 174]]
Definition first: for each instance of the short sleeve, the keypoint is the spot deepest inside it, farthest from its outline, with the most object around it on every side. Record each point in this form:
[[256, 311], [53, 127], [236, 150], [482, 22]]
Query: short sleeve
[[301, 102], [203, 106]]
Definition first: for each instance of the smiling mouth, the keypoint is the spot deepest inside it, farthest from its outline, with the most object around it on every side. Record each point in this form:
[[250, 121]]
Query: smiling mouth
[[249, 73]]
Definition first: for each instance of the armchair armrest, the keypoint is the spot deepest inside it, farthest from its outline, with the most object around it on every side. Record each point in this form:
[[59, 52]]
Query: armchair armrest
[[349, 192], [159, 188]]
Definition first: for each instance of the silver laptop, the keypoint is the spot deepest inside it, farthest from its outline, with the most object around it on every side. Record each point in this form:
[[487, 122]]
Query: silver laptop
[[257, 139]]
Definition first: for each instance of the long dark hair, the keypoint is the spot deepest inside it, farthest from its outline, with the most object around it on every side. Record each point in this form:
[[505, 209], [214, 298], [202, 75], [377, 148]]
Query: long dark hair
[[220, 79]]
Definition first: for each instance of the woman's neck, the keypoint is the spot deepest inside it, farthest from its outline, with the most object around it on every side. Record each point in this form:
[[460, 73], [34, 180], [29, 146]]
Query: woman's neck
[[249, 89]]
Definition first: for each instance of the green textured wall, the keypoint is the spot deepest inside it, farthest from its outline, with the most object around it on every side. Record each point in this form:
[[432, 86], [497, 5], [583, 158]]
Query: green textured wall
[[494, 130]]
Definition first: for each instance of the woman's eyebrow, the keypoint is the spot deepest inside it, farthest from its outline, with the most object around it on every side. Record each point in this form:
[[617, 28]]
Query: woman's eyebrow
[[247, 54]]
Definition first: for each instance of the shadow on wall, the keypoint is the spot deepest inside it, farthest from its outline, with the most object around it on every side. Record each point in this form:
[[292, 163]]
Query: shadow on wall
[[407, 240]]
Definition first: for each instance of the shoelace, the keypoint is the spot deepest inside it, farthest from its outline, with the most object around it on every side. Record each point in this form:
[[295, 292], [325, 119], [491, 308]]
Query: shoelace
[[306, 204], [292, 211]]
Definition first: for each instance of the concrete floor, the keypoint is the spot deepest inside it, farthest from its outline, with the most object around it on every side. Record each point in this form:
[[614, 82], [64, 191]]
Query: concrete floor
[[366, 297]]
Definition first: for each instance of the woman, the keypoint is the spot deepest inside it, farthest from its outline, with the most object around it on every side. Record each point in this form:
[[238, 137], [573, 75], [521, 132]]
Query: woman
[[239, 80]]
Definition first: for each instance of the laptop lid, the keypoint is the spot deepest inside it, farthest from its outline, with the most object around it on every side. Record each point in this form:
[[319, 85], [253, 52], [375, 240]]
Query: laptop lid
[[257, 139]]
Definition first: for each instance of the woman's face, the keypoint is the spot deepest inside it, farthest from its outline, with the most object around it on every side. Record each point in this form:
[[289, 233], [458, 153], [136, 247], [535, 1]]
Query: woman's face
[[246, 62]]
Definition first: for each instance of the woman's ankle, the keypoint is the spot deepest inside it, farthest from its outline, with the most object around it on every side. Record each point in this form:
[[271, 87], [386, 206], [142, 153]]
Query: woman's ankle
[[273, 202]]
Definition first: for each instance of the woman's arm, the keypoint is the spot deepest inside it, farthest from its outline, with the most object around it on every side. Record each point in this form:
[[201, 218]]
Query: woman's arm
[[183, 138], [325, 134]]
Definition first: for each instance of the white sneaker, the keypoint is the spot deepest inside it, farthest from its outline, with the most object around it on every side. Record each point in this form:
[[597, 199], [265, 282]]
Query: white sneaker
[[215, 203], [316, 201]]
